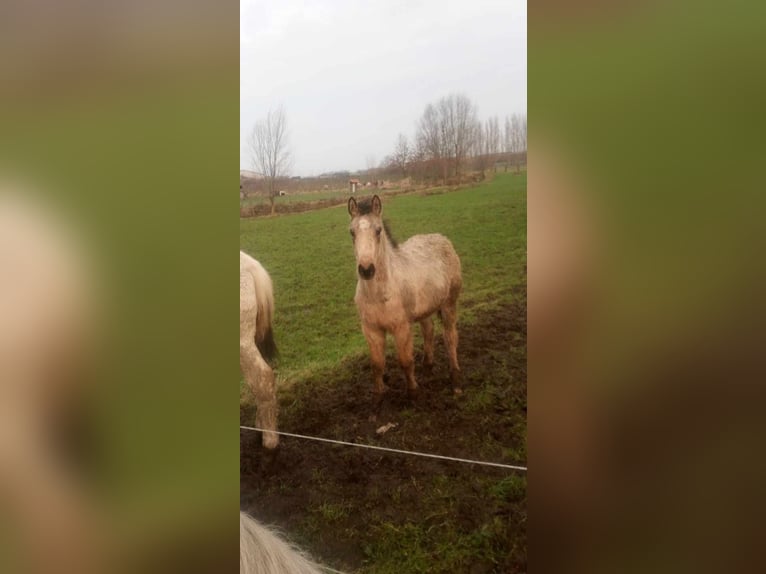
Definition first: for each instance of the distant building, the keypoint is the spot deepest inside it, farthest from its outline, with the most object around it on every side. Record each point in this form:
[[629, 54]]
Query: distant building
[[353, 184]]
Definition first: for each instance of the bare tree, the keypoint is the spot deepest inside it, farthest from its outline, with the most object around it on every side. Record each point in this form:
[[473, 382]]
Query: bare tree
[[508, 142], [418, 159], [493, 140], [449, 135], [457, 115], [479, 142], [518, 137], [465, 119], [524, 132], [401, 156], [269, 150], [430, 139], [446, 131]]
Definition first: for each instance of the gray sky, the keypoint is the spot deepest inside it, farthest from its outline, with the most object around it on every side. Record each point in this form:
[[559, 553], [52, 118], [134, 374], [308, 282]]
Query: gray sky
[[352, 74]]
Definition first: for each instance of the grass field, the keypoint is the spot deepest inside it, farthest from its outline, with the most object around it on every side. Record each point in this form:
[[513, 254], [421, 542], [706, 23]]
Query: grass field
[[368, 513], [311, 260]]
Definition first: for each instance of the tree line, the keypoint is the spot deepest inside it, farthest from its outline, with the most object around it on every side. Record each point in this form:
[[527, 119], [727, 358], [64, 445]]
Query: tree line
[[450, 140]]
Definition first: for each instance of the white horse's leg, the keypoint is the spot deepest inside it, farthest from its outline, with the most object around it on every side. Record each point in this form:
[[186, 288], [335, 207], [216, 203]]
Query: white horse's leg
[[257, 373], [260, 378]]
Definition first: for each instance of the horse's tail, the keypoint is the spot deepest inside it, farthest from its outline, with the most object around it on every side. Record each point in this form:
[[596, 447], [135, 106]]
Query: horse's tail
[[267, 346], [264, 328]]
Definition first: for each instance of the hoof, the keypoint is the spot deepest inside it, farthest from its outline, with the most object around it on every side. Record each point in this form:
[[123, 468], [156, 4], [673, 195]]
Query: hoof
[[454, 380], [377, 404], [413, 394], [270, 441], [269, 457]]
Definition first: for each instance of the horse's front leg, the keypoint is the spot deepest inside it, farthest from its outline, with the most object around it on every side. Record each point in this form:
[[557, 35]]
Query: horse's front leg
[[404, 350], [376, 340]]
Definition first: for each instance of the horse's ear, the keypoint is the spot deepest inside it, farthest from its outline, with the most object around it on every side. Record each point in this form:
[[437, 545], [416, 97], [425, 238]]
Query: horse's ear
[[376, 206], [353, 208]]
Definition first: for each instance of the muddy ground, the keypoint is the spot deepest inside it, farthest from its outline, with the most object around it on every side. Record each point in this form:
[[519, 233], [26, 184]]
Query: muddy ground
[[367, 511]]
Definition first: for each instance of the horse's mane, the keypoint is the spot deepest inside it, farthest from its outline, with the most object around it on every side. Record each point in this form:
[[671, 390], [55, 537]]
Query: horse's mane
[[391, 239], [262, 551], [365, 208]]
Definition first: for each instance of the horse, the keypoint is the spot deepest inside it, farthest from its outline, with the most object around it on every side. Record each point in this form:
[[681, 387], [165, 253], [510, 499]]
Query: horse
[[263, 552], [256, 343], [399, 285]]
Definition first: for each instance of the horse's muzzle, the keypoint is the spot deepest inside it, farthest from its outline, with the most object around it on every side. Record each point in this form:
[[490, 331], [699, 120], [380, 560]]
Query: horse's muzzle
[[367, 272]]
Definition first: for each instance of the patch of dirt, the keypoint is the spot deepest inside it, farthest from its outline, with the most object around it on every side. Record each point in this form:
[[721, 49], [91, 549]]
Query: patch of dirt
[[338, 501]]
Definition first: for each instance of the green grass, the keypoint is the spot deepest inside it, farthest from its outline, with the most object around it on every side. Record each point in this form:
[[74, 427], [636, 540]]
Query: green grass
[[435, 543], [310, 258], [333, 512], [440, 522]]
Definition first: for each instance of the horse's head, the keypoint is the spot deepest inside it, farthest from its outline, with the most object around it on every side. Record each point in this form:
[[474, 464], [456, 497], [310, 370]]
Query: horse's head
[[366, 231]]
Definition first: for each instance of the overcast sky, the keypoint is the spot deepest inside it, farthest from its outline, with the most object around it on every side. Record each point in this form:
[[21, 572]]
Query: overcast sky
[[352, 74]]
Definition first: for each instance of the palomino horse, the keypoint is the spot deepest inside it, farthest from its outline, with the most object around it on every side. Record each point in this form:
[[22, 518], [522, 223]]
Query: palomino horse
[[263, 552], [399, 285], [256, 341]]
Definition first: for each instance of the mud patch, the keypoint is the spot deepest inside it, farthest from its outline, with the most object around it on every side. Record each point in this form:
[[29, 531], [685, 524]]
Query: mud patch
[[367, 511]]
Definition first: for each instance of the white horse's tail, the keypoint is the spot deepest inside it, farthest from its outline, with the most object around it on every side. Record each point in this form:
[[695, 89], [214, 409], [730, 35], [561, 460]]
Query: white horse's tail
[[264, 296], [266, 345], [263, 552]]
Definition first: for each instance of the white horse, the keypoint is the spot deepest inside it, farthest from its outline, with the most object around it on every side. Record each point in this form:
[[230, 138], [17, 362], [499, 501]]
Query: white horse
[[256, 341], [263, 552]]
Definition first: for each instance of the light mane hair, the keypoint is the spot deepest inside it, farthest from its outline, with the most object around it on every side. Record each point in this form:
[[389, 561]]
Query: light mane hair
[[261, 551]]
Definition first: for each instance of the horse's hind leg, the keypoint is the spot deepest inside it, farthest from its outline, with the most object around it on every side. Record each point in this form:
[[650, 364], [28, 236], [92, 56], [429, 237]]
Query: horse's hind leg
[[260, 378], [449, 319], [427, 326]]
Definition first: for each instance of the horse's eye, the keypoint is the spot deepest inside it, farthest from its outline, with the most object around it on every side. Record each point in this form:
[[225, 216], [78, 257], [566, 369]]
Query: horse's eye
[[377, 232], [353, 234]]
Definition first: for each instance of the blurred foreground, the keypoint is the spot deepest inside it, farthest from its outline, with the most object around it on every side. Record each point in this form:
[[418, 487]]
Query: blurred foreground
[[117, 445], [646, 372], [645, 287]]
